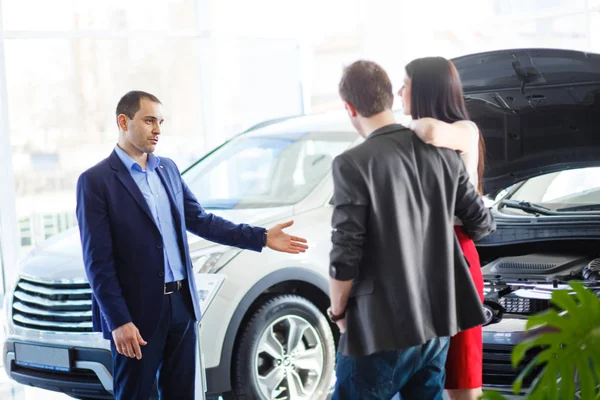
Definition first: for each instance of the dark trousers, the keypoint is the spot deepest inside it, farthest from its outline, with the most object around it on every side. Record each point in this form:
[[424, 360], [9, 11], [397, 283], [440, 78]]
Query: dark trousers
[[417, 373], [168, 358]]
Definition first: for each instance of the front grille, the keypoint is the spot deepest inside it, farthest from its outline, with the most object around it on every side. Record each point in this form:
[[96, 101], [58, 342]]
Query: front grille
[[518, 305], [57, 306], [74, 375], [498, 369], [78, 383]]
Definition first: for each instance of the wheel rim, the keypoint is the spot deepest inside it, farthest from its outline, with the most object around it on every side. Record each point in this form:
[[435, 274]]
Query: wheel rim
[[289, 359]]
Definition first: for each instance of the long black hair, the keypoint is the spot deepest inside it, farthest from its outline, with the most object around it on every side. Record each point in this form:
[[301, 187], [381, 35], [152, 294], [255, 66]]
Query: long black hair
[[436, 92]]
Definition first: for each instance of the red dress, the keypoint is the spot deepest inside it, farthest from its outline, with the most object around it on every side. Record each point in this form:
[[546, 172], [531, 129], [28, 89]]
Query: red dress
[[464, 366]]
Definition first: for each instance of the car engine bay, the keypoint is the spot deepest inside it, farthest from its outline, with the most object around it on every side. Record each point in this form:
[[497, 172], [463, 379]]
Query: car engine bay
[[522, 285]]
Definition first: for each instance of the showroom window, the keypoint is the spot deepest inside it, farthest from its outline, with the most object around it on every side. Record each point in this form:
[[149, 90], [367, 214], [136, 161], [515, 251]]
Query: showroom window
[[67, 65], [68, 62], [62, 94]]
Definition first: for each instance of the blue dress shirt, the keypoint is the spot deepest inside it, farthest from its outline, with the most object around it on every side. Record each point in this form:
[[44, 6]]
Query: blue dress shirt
[[160, 206]]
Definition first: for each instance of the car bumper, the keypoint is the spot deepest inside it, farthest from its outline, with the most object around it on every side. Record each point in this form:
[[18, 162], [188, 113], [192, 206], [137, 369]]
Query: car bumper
[[90, 375], [499, 341]]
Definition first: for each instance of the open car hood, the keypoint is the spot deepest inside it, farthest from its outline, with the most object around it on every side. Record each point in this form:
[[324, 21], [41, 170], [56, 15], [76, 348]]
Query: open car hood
[[538, 110]]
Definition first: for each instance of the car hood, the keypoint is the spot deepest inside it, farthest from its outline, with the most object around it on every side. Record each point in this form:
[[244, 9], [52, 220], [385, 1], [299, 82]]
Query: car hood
[[538, 110], [60, 259]]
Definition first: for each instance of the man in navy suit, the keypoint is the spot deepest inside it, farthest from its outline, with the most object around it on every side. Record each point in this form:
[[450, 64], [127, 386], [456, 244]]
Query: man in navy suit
[[133, 210]]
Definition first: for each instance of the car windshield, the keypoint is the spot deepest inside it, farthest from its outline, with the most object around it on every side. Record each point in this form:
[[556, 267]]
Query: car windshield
[[570, 190], [258, 171]]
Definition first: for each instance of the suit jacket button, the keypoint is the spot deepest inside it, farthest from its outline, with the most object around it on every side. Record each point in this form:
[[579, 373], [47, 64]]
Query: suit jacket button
[[161, 274], [159, 246]]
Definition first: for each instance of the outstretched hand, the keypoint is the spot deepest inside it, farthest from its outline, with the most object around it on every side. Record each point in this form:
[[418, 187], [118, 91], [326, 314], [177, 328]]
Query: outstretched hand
[[278, 240]]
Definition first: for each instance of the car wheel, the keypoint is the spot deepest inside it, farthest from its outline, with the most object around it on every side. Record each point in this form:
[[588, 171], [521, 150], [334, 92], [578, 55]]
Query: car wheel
[[286, 351]]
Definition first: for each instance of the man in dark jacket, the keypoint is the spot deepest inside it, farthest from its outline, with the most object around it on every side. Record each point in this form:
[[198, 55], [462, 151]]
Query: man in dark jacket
[[400, 285], [134, 210]]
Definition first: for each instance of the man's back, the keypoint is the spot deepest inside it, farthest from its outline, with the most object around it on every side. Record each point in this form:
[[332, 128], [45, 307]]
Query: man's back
[[395, 201]]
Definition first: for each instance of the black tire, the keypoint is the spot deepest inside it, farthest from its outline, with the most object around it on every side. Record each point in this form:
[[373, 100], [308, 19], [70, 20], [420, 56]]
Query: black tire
[[244, 374]]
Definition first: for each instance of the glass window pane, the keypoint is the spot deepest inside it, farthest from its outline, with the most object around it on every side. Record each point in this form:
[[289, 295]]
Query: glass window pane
[[22, 15], [595, 31], [564, 32], [145, 15], [62, 96], [522, 8], [55, 15]]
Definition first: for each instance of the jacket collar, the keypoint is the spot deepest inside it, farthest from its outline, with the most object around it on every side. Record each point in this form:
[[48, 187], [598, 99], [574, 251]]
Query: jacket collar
[[387, 129], [126, 179], [130, 163]]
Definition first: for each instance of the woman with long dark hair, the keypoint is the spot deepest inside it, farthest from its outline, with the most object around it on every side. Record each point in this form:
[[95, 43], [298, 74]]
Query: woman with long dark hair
[[433, 97]]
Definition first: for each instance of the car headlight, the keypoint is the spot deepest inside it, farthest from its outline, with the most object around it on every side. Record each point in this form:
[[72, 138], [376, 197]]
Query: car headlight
[[212, 262], [207, 286], [206, 265]]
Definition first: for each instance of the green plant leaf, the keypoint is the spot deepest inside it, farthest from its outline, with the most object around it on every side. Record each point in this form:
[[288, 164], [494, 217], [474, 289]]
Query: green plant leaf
[[586, 379], [549, 318], [550, 380], [568, 344], [536, 391], [519, 351], [567, 382], [518, 383], [565, 300]]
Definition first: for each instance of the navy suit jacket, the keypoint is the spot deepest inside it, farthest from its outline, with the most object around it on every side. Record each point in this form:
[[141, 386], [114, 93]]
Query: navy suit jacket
[[122, 246]]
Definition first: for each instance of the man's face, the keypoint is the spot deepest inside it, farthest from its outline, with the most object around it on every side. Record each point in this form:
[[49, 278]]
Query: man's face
[[144, 129], [404, 94]]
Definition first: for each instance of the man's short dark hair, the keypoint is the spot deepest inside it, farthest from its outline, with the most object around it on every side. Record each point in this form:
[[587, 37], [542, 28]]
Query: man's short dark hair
[[367, 87], [130, 103]]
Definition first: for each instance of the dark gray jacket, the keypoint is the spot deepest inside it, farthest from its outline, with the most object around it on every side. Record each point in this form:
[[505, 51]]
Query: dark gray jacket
[[395, 200]]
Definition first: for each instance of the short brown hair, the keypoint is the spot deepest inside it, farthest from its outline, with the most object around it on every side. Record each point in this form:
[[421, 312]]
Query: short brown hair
[[367, 87], [130, 103]]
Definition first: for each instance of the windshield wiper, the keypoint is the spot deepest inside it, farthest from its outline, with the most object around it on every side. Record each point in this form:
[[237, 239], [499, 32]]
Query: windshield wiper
[[581, 207], [526, 206]]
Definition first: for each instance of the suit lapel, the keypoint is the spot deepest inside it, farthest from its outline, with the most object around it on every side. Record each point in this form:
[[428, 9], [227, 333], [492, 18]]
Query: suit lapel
[[127, 181], [164, 176], [135, 191]]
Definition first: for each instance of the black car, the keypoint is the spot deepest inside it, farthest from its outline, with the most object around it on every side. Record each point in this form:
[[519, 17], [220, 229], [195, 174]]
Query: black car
[[539, 111]]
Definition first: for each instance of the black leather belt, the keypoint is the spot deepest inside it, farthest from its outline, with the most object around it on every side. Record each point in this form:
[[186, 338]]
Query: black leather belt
[[172, 287]]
